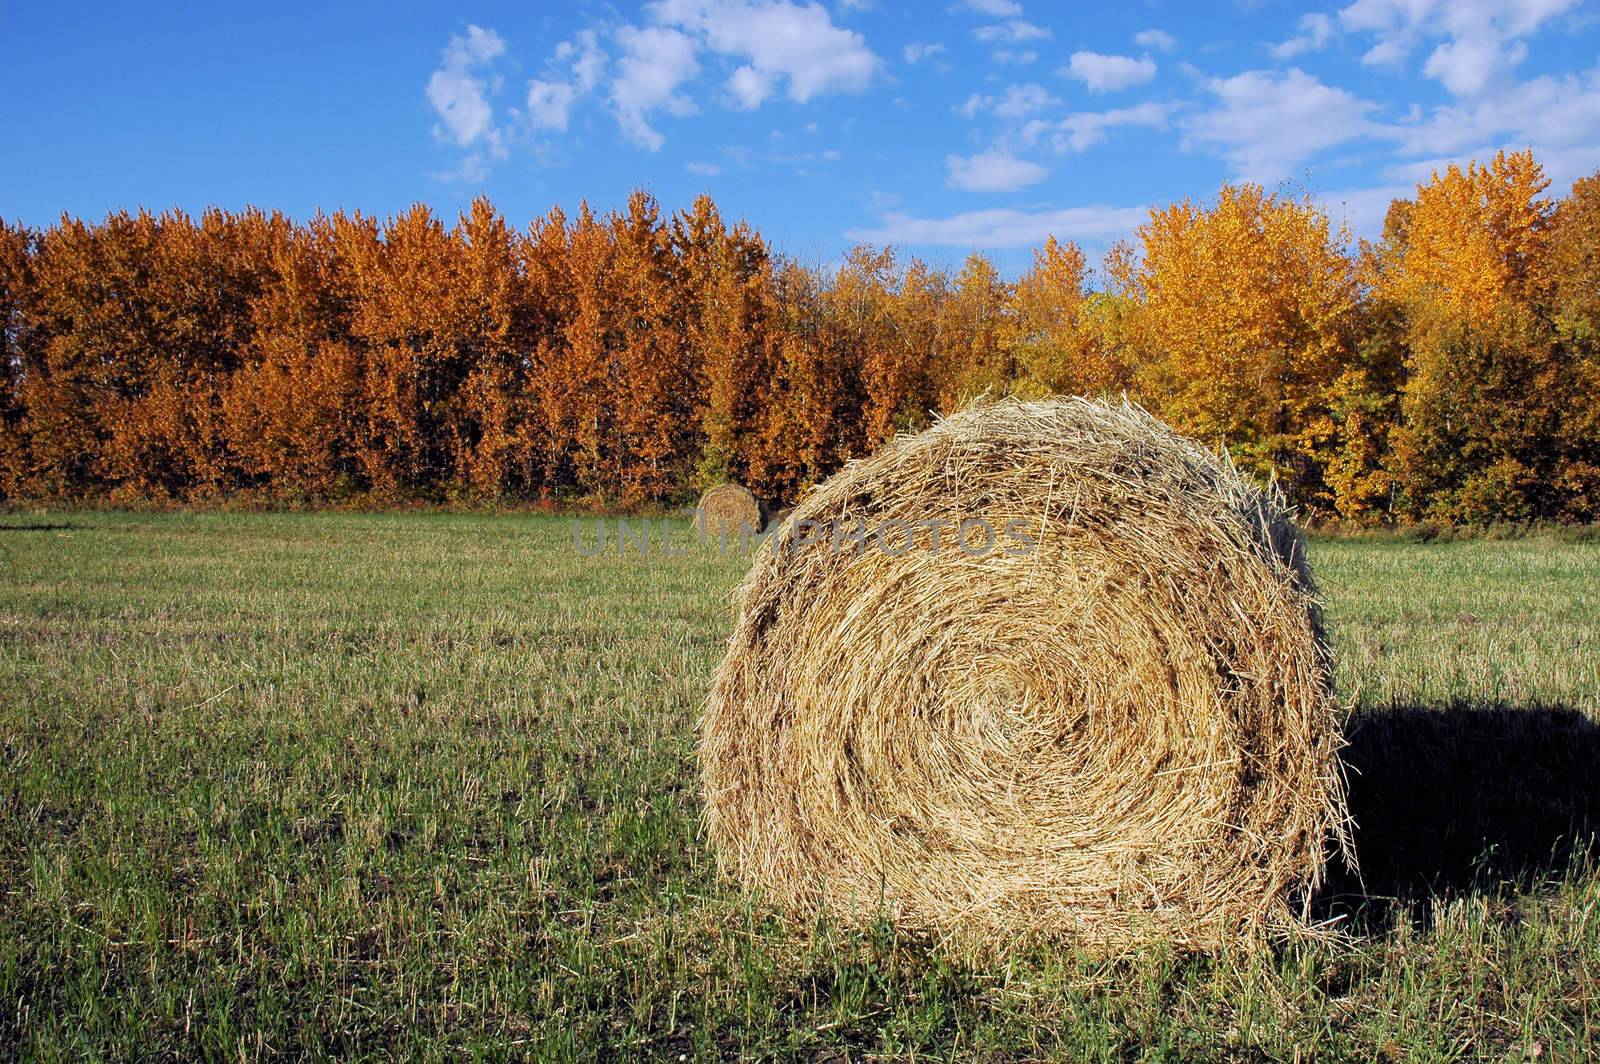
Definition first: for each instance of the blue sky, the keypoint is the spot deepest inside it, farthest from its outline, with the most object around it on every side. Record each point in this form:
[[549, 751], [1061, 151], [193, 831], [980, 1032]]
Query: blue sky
[[940, 127]]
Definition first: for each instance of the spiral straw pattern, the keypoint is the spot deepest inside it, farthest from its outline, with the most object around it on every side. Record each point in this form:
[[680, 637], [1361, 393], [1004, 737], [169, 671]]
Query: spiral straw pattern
[[1112, 724]]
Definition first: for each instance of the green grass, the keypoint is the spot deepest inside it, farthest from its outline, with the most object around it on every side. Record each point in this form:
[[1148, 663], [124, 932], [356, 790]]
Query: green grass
[[371, 785]]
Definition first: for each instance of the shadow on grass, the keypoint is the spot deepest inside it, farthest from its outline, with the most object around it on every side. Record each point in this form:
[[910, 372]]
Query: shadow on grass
[[1463, 798], [37, 526]]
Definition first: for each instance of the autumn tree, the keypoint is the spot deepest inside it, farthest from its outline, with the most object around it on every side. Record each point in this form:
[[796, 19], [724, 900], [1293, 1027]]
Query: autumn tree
[[1047, 333], [292, 409], [970, 360], [403, 311], [813, 417], [19, 341], [1573, 273], [901, 385], [1448, 370], [500, 441], [1354, 437], [1245, 318], [207, 280], [551, 302], [105, 301], [726, 274], [573, 382], [860, 305], [648, 366], [1487, 378]]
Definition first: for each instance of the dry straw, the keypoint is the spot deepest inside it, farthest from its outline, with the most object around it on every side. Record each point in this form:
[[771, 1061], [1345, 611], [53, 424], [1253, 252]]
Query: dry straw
[[1124, 734], [727, 511]]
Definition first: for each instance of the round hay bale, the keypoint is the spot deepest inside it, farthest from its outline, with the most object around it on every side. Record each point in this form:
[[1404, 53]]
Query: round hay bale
[[1113, 725], [727, 511]]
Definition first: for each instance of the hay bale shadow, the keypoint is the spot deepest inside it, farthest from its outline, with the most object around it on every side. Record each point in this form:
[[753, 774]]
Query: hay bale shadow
[[1462, 799]]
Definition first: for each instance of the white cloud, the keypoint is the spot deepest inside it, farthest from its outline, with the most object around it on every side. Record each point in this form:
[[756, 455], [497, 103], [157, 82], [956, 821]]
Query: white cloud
[[1267, 123], [1467, 65], [1022, 100], [1082, 130], [1006, 228], [1316, 31], [1481, 39], [777, 39], [572, 74], [996, 8], [473, 169], [917, 51], [749, 87], [459, 94], [993, 171], [1015, 31], [704, 169], [1018, 101], [1160, 40], [1007, 55], [549, 103], [1559, 118], [586, 59], [655, 62], [1108, 73], [1391, 53], [779, 45]]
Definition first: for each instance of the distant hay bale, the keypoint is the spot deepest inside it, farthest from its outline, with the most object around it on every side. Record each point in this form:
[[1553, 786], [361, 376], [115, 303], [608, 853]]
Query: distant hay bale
[[727, 511], [1123, 733]]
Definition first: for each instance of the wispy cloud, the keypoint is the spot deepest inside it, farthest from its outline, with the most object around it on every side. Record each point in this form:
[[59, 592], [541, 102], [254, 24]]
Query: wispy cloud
[[1558, 117], [1315, 31], [776, 47], [993, 171], [459, 92], [1265, 123], [572, 73], [1018, 101], [1160, 40], [796, 45], [1005, 227], [996, 8], [1480, 41], [1014, 31], [655, 62], [1082, 130], [1109, 73]]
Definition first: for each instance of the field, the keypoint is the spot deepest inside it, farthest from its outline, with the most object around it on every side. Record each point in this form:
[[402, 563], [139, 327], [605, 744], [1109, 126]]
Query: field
[[366, 785]]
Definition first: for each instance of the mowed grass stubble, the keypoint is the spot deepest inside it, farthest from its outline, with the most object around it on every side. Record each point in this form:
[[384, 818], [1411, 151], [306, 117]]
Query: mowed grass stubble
[[363, 784]]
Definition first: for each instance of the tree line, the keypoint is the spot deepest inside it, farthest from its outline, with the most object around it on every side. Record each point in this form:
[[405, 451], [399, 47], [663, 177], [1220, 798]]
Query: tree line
[[1449, 371]]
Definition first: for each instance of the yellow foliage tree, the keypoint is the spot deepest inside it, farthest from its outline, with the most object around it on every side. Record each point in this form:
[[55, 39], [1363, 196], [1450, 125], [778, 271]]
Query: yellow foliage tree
[[1243, 315], [1046, 334], [1479, 438], [970, 360]]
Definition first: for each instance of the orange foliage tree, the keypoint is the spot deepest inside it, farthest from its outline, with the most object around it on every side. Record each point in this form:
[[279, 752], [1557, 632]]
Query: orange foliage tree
[[18, 336], [1450, 370], [291, 409]]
